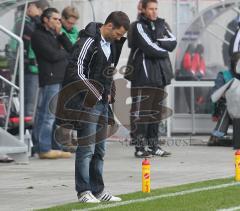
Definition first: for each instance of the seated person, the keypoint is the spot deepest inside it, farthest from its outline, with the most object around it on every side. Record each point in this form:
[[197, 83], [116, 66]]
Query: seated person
[[220, 113]]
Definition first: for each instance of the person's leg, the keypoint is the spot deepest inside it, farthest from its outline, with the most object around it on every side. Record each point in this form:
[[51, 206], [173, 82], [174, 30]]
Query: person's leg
[[47, 118], [96, 165], [37, 122], [222, 125], [138, 126], [153, 126], [220, 129], [82, 165], [96, 169], [236, 133], [133, 116], [30, 93], [85, 152]]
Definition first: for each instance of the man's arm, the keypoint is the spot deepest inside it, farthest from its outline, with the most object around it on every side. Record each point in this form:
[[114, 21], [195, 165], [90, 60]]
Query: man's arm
[[169, 41], [145, 43], [82, 55]]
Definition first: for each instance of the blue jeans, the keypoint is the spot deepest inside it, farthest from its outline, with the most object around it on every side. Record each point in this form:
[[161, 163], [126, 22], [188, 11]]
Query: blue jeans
[[44, 119], [89, 157], [30, 93]]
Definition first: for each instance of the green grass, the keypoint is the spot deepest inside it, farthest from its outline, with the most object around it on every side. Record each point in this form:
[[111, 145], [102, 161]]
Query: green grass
[[204, 200]]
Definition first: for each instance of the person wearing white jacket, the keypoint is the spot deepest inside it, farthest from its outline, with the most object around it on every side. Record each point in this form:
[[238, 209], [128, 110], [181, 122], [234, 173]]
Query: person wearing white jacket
[[231, 91]]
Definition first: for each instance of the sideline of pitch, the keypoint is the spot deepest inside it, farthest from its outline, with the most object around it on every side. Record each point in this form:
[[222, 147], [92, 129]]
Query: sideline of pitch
[[230, 209], [160, 196]]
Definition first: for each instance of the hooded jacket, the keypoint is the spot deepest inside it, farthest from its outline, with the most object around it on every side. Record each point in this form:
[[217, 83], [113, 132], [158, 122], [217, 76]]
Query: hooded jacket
[[88, 62], [150, 42]]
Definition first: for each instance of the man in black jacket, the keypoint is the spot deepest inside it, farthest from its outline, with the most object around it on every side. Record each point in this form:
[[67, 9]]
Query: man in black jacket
[[150, 41], [89, 71], [32, 19], [52, 60]]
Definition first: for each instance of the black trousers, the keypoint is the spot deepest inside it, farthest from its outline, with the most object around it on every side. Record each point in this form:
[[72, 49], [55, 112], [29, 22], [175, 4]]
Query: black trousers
[[223, 122], [236, 133], [145, 115]]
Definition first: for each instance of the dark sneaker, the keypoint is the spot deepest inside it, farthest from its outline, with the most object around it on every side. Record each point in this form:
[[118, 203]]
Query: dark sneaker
[[142, 154], [105, 196], [159, 152]]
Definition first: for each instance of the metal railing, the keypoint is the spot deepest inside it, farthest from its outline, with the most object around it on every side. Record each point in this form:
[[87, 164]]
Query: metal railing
[[20, 88]]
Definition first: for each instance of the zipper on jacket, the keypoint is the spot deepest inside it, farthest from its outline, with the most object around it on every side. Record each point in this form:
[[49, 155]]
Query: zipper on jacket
[[144, 66]]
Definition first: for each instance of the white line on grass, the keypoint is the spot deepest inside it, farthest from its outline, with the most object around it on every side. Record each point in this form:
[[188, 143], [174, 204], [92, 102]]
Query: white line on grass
[[117, 204], [230, 209]]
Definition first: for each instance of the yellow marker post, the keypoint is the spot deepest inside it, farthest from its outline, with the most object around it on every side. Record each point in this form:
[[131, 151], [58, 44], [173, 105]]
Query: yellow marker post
[[237, 165], [146, 182]]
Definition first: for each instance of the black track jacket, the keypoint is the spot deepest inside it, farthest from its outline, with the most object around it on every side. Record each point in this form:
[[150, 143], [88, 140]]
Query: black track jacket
[[150, 42]]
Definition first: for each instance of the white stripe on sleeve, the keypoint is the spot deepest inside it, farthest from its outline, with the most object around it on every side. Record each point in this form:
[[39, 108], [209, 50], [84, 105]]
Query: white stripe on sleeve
[[81, 58], [147, 39], [171, 38], [236, 43]]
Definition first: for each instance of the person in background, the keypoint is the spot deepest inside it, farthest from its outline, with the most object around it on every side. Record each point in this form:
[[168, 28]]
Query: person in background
[[219, 109], [32, 19], [150, 41], [231, 96], [52, 59], [70, 15], [69, 18], [198, 67], [229, 36]]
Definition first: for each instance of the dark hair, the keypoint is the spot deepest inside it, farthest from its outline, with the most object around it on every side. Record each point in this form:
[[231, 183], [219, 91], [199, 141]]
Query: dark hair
[[145, 3], [69, 12], [41, 4], [199, 49], [118, 19], [47, 13], [190, 48]]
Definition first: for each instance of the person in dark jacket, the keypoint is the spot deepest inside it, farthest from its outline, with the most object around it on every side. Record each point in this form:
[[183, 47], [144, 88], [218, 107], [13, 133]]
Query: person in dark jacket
[[32, 19], [89, 73], [150, 41], [52, 60]]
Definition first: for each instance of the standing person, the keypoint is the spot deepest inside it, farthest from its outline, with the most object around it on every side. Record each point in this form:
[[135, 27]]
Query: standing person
[[151, 68], [52, 60], [32, 19], [69, 18], [70, 15], [98, 48]]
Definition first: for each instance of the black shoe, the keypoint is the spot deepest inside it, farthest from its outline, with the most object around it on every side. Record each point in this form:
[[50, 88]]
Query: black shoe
[[142, 154], [159, 152]]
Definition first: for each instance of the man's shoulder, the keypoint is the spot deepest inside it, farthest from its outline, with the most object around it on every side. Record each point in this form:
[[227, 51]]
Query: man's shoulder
[[139, 23], [39, 30], [86, 42]]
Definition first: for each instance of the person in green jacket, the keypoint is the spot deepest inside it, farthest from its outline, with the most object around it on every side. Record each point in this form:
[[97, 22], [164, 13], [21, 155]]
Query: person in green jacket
[[69, 18]]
